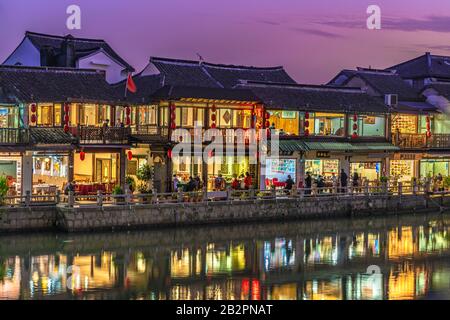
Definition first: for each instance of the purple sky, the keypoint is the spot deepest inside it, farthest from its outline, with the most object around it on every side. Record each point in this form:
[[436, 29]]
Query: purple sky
[[312, 39]]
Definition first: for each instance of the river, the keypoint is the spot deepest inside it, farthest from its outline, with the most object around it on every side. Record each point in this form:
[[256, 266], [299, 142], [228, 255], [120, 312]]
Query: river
[[403, 257]]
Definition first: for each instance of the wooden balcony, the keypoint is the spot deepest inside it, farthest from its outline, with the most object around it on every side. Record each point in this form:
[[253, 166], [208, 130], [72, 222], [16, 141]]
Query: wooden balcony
[[14, 136], [151, 132], [421, 141], [101, 135]]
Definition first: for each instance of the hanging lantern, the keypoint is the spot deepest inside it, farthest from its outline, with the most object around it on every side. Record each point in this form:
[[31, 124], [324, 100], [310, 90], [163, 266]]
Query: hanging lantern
[[210, 153], [354, 135], [213, 126], [173, 126], [130, 155], [307, 124], [82, 155], [267, 115], [306, 115], [33, 108], [33, 118], [128, 121], [66, 108], [66, 118], [66, 128], [214, 117], [355, 117], [127, 110], [355, 127], [214, 108], [306, 132], [169, 153], [267, 124]]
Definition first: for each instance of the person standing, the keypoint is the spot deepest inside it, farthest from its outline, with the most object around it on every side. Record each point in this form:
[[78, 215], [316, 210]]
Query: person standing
[[344, 181], [235, 184], [175, 183], [355, 181], [308, 183]]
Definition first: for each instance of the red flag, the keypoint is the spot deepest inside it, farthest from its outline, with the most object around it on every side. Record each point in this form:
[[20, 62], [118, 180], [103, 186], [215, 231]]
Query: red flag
[[131, 86]]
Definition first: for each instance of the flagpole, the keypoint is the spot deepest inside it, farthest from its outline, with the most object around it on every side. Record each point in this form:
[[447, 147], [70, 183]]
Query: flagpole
[[126, 86]]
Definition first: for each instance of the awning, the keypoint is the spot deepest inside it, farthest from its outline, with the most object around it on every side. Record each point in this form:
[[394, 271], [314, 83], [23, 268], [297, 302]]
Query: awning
[[289, 146]]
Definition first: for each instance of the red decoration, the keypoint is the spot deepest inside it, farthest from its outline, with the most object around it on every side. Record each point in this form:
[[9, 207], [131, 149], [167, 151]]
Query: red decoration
[[355, 127], [173, 116], [306, 124], [267, 115], [82, 155], [66, 128], [128, 121], [355, 117], [128, 110], [130, 155], [169, 153], [306, 132], [210, 153], [213, 126], [214, 117], [33, 118], [306, 115], [214, 108], [173, 126], [354, 135], [33, 108], [66, 108], [66, 118], [267, 124]]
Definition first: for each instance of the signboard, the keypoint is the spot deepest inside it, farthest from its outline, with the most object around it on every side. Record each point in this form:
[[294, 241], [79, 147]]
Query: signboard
[[323, 154], [289, 114]]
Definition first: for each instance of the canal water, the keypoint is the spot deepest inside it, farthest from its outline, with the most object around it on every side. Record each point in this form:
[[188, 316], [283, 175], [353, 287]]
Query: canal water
[[381, 258]]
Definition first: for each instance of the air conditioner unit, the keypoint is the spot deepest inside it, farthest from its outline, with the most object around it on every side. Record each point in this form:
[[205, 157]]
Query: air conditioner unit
[[391, 100]]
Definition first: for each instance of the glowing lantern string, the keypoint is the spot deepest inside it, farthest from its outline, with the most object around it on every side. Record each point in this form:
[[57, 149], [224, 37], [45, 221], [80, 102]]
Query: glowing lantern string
[[66, 117], [428, 120], [33, 117], [130, 155], [82, 155], [306, 124], [355, 126]]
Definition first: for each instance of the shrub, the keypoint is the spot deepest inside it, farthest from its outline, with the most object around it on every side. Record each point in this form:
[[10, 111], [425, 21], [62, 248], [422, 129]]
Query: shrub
[[131, 182], [4, 188], [117, 191], [145, 175]]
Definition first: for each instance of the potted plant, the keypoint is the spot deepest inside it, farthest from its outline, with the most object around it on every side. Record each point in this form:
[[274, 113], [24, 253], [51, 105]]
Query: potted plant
[[131, 183], [145, 176], [4, 188], [118, 191], [447, 182], [144, 190]]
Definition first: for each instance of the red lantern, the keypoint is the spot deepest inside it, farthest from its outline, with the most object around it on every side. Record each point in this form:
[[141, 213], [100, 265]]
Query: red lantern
[[355, 117], [267, 124], [354, 135], [128, 121], [33, 118], [210, 153], [33, 108], [66, 108], [169, 153], [307, 124], [66, 119], [306, 132], [213, 117], [130, 155], [173, 126], [267, 115], [306, 115], [82, 155], [128, 111], [214, 108], [213, 126], [173, 116], [66, 128], [355, 127]]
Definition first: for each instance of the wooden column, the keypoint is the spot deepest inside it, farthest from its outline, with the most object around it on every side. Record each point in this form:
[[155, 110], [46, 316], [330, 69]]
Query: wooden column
[[71, 171], [122, 168]]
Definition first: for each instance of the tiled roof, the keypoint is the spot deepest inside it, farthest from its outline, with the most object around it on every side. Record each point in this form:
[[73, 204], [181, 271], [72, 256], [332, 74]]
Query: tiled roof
[[289, 146], [425, 66], [83, 47], [442, 88], [388, 83], [51, 136], [203, 74], [184, 92], [315, 98], [37, 84], [146, 86]]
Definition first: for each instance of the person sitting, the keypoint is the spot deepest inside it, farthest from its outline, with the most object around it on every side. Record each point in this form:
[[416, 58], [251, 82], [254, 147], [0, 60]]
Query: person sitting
[[248, 181], [175, 183], [190, 186], [289, 183], [235, 183], [219, 183]]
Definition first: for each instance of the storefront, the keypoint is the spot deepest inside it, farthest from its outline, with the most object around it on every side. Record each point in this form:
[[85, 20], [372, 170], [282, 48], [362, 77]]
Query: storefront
[[402, 170], [188, 167], [139, 158], [322, 167], [433, 167], [229, 167], [50, 172], [286, 122], [369, 171], [278, 170], [11, 169]]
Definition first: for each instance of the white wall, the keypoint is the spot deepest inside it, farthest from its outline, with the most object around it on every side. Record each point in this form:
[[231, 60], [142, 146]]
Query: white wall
[[25, 54], [101, 61]]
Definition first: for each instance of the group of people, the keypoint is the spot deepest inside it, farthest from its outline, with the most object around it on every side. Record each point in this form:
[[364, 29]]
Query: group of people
[[119, 123], [192, 185], [342, 182], [243, 182]]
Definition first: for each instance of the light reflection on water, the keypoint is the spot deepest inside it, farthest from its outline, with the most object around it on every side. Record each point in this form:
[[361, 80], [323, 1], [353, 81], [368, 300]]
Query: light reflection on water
[[270, 261]]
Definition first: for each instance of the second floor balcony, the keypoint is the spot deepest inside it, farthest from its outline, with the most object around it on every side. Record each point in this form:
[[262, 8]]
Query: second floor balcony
[[421, 141], [14, 136], [102, 135]]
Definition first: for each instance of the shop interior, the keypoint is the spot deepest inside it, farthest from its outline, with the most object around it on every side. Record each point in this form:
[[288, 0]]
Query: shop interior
[[9, 117], [432, 168], [402, 170], [50, 173], [367, 171], [326, 124], [228, 167], [287, 122], [278, 170], [97, 172], [325, 168]]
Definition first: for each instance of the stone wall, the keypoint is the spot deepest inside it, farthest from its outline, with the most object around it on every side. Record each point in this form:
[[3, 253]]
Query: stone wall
[[140, 216], [27, 219]]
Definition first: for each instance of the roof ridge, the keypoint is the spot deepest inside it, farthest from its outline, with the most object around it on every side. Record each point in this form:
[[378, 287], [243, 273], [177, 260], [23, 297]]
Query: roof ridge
[[304, 86], [51, 36], [34, 68]]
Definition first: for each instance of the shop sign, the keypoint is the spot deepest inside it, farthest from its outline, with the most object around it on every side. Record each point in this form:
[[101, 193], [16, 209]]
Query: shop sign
[[323, 154], [407, 156], [288, 114]]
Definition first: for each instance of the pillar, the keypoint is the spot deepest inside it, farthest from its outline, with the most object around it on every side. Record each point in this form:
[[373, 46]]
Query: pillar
[[71, 171], [387, 166], [344, 164], [122, 168], [27, 172], [301, 170]]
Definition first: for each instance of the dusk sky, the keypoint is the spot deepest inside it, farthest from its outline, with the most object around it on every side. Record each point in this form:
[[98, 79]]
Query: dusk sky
[[312, 39]]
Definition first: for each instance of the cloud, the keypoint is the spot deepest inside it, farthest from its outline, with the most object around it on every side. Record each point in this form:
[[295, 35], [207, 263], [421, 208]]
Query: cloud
[[270, 23], [319, 33], [429, 23], [436, 47]]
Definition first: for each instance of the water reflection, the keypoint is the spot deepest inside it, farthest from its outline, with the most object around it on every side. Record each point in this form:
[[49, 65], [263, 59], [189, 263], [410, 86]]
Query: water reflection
[[272, 261]]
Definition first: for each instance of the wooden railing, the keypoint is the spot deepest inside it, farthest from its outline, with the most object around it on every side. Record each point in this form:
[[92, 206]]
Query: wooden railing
[[103, 135], [420, 140], [151, 130], [14, 136]]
